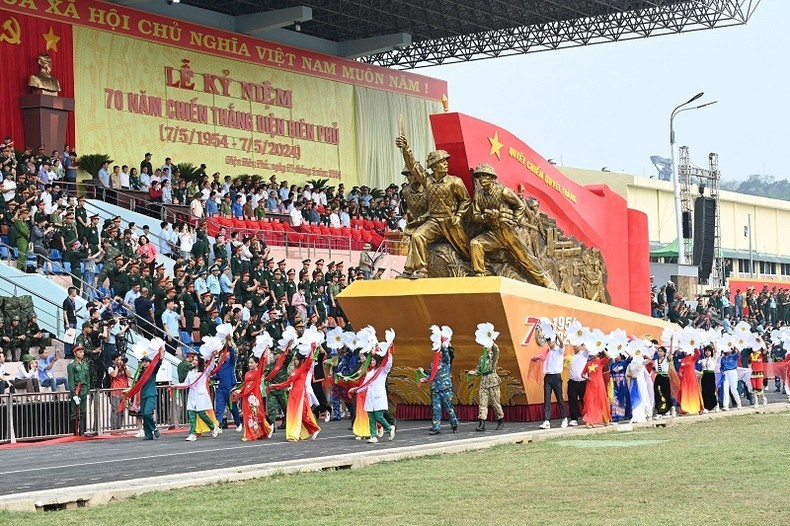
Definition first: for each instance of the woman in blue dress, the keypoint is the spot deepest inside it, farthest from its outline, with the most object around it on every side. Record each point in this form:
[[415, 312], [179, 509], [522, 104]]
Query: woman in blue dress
[[621, 399]]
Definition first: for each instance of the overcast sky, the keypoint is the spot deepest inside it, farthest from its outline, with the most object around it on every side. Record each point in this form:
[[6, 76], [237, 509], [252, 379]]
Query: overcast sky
[[609, 105]]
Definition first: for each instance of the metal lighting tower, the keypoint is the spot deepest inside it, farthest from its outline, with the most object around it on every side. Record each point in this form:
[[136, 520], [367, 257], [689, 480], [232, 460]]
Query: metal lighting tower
[[675, 182]]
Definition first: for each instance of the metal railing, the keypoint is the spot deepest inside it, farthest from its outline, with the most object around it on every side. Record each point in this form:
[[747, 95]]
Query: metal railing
[[96, 293], [47, 415]]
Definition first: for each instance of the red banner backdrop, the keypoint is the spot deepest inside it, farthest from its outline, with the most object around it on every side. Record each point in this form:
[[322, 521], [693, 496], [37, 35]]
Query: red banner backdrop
[[178, 33], [595, 215], [22, 38]]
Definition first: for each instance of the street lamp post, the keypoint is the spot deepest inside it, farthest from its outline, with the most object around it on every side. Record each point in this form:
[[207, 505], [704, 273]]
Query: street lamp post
[[675, 177]]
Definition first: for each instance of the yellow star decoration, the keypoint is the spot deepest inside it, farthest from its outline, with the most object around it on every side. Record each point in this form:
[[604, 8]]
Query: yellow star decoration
[[51, 38], [496, 146], [592, 367]]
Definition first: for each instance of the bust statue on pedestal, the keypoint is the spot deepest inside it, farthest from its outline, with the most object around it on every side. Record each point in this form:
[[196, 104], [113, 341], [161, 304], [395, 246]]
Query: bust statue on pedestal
[[43, 83]]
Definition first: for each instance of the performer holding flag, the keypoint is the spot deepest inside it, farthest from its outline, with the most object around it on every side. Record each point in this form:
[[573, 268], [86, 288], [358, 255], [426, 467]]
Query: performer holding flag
[[374, 385], [151, 353], [300, 422], [253, 408], [197, 381]]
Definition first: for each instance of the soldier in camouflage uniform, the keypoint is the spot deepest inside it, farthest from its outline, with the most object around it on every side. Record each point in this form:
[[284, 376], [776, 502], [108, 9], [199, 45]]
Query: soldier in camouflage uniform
[[441, 382], [489, 388], [17, 333]]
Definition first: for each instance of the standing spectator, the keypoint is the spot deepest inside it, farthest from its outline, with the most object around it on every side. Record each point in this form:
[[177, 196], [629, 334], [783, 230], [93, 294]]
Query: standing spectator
[[170, 324], [146, 165], [144, 308], [79, 380], [196, 206], [147, 252], [119, 381]]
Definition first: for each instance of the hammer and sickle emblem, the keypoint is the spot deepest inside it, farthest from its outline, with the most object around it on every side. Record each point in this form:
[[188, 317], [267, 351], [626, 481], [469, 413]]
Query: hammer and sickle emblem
[[12, 33]]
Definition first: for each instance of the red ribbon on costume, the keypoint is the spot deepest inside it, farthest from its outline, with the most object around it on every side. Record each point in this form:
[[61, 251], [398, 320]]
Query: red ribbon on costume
[[138, 385], [435, 365], [378, 371], [278, 364]]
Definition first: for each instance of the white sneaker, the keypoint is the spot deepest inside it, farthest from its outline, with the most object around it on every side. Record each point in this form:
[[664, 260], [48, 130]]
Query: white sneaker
[[373, 440], [725, 408], [705, 411], [215, 432], [219, 429], [673, 411], [140, 434], [564, 423], [327, 416], [545, 425], [191, 438], [239, 428], [379, 431], [716, 410], [765, 401], [312, 437], [739, 406], [573, 423], [392, 433]]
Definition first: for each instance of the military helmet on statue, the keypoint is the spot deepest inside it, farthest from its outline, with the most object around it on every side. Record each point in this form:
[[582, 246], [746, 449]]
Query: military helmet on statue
[[435, 157], [484, 169]]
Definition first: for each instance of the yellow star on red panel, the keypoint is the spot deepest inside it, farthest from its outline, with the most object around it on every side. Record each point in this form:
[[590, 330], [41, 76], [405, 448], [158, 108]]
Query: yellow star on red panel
[[51, 38], [496, 146], [592, 367]]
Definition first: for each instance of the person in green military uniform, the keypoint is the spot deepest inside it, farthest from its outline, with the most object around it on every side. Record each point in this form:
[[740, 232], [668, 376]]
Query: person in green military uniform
[[92, 354], [81, 217], [78, 373], [188, 310], [74, 256], [68, 232], [22, 234], [92, 232], [277, 284], [277, 399], [18, 340]]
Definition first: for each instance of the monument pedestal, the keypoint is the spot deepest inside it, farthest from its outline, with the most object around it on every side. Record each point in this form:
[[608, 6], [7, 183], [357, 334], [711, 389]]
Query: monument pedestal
[[514, 307], [46, 119]]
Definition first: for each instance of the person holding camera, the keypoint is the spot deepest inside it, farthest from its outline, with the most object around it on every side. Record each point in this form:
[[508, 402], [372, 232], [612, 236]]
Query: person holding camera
[[38, 238], [111, 331], [119, 375]]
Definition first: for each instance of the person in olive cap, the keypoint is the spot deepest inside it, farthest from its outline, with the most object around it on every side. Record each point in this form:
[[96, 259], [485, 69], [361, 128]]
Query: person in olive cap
[[78, 373], [17, 333]]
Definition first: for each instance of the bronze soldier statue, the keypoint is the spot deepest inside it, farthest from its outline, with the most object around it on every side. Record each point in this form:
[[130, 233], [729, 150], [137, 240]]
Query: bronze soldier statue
[[448, 201], [502, 213]]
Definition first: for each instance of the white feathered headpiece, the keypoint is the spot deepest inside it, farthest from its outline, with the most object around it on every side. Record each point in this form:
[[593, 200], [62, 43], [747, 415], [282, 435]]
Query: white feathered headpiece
[[485, 335]]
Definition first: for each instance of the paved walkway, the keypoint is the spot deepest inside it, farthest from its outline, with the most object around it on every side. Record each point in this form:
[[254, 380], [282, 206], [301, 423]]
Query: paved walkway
[[94, 472]]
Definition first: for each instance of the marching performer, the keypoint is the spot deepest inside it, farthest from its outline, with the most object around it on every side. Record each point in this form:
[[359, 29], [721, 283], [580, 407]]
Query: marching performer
[[253, 408], [374, 385], [489, 379], [440, 378], [300, 422], [197, 382]]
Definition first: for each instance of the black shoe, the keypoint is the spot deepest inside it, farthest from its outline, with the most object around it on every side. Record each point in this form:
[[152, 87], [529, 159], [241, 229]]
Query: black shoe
[[500, 424], [435, 432], [350, 428], [281, 426], [481, 426], [455, 428]]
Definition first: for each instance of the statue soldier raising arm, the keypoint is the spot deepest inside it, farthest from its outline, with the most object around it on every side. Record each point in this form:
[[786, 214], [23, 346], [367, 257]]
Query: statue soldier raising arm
[[448, 201]]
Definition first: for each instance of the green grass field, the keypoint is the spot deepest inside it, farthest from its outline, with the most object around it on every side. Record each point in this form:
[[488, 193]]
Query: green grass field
[[728, 471]]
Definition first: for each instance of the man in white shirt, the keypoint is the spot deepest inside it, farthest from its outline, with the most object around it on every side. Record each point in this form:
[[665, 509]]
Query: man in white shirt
[[125, 177], [296, 215], [552, 382], [166, 238], [145, 180], [577, 383]]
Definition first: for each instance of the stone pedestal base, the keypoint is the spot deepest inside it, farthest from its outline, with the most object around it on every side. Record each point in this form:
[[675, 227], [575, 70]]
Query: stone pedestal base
[[514, 307], [46, 120]]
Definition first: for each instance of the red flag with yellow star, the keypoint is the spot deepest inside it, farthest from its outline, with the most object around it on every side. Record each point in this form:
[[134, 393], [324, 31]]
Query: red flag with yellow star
[[22, 39]]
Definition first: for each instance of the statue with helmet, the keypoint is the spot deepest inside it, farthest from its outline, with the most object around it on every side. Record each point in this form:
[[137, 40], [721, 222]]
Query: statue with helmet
[[496, 232]]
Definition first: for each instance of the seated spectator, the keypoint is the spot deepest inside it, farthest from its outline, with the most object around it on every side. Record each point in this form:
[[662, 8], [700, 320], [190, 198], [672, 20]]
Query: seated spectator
[[27, 375], [272, 203], [5, 381], [46, 376]]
